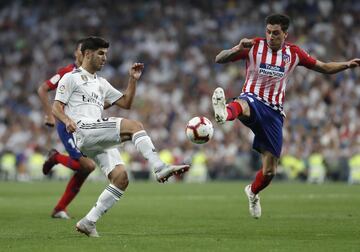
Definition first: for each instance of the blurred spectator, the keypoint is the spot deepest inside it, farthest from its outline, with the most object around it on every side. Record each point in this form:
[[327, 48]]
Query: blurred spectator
[[177, 41]]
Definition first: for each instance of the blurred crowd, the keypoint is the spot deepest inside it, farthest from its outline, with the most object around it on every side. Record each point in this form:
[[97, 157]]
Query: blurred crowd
[[178, 42]]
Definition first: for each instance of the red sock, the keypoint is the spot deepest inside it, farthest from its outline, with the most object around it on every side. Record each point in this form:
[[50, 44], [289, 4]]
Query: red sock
[[234, 110], [260, 182], [72, 189], [68, 161]]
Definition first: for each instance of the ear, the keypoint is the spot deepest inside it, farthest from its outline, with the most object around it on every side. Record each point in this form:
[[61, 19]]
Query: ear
[[87, 53], [286, 34]]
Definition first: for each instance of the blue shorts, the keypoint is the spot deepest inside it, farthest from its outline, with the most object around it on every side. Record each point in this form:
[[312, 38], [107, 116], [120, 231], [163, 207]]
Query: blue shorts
[[68, 141], [266, 123]]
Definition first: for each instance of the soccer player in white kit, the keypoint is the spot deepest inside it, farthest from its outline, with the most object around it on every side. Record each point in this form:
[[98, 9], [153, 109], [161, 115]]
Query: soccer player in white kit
[[79, 103]]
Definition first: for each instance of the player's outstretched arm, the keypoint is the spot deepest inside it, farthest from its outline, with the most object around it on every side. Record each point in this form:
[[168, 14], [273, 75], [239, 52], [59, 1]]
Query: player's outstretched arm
[[42, 91], [126, 100], [58, 111], [226, 56], [335, 67]]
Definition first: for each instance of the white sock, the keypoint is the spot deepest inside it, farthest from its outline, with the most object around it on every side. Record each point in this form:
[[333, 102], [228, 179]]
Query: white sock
[[106, 200], [144, 145]]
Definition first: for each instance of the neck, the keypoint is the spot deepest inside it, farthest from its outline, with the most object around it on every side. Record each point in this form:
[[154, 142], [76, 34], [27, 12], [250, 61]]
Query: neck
[[88, 68]]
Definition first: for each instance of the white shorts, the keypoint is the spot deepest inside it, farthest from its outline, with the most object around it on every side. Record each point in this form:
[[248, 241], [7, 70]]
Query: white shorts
[[97, 135], [107, 160], [97, 140]]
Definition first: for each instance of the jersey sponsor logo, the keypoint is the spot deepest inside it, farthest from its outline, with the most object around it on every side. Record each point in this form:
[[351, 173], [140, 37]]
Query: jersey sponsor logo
[[94, 99], [271, 70], [55, 78]]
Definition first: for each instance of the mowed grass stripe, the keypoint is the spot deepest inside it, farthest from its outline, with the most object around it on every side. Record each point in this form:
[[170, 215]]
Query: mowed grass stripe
[[184, 217]]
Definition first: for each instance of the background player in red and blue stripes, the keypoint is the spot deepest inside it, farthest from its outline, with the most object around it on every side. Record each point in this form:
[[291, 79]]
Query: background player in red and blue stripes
[[82, 166]]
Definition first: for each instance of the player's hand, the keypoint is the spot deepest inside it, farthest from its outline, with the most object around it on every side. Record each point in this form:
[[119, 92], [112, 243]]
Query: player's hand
[[136, 70], [49, 120], [246, 43], [353, 63], [70, 126]]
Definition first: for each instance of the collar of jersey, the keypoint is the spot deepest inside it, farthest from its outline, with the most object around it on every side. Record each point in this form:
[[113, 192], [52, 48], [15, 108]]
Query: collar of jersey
[[93, 76]]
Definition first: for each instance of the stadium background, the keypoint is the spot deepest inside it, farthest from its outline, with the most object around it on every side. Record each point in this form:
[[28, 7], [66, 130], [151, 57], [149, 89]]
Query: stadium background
[[178, 41]]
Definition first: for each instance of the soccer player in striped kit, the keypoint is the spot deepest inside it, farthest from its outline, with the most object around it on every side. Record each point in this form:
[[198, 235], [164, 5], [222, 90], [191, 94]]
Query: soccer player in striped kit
[[82, 166], [269, 63]]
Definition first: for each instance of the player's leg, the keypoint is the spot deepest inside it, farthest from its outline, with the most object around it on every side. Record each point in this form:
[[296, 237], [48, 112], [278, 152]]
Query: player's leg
[[73, 187], [262, 180], [266, 173], [112, 165], [144, 144], [266, 123], [54, 157], [228, 112], [86, 166]]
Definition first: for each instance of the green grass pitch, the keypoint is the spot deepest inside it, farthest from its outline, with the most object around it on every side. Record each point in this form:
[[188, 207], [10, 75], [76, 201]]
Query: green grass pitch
[[184, 217]]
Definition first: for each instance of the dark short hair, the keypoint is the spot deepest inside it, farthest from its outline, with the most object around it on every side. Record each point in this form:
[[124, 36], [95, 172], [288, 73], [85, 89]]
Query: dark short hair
[[278, 19], [93, 43]]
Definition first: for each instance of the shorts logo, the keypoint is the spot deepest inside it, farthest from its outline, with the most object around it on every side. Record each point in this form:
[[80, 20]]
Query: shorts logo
[[271, 70]]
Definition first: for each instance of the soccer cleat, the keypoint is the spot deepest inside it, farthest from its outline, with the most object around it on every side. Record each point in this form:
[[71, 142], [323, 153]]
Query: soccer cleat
[[219, 105], [50, 162], [254, 203], [87, 227], [163, 174], [60, 215]]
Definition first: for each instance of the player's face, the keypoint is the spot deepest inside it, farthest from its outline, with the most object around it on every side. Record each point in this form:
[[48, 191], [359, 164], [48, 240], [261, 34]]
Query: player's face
[[275, 37], [98, 58]]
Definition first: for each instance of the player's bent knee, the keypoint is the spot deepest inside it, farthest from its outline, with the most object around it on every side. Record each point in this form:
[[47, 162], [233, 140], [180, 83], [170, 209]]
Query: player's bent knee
[[131, 126], [87, 165], [119, 178]]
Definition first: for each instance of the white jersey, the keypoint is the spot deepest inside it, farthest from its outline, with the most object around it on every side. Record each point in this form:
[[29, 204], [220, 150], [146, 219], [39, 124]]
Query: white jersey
[[84, 94]]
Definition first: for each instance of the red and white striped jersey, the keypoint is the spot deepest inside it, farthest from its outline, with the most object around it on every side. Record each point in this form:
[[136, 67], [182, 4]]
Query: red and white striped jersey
[[54, 81], [267, 71]]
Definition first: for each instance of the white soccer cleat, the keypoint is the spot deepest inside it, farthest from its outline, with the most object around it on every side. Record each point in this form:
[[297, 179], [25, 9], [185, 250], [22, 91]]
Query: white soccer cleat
[[87, 227], [60, 215], [254, 203], [163, 174], [219, 105]]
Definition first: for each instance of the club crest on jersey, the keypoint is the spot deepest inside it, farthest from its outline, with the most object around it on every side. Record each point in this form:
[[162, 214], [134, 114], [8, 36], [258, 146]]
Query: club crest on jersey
[[84, 77], [286, 58], [271, 70]]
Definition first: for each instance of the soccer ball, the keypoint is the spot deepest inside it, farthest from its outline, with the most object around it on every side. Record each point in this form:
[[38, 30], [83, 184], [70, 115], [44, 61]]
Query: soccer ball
[[199, 130]]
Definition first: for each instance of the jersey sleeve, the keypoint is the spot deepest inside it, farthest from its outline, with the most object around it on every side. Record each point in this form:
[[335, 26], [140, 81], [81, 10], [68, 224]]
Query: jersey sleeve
[[245, 53], [111, 93], [54, 80], [305, 59], [65, 88]]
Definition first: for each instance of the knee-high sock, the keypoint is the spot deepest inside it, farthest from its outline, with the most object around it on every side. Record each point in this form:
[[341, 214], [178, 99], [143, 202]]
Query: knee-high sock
[[67, 161], [72, 189], [145, 146], [261, 181], [234, 110], [106, 200]]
